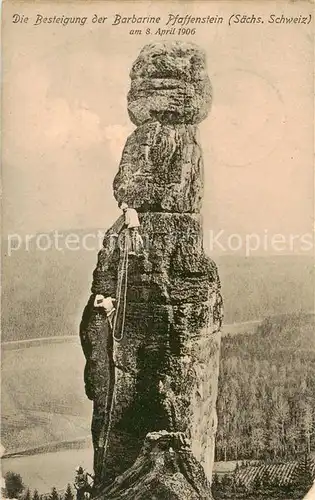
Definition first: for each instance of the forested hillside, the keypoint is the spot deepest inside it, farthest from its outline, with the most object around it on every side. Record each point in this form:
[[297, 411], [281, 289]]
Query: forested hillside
[[266, 396]]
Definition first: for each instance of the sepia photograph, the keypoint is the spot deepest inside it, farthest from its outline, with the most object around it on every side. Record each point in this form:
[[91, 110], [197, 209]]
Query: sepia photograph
[[157, 250]]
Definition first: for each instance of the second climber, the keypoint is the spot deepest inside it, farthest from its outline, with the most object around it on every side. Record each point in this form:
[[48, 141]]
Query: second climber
[[132, 224]]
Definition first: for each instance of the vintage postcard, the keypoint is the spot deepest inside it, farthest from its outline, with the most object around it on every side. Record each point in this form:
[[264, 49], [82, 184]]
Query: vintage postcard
[[157, 250]]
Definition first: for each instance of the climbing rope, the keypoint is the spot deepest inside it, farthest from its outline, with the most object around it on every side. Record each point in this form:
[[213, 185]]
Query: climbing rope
[[110, 397], [122, 278]]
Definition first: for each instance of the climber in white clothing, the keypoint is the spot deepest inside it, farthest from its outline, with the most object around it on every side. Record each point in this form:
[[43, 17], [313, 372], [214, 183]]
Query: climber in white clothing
[[132, 224], [106, 303]]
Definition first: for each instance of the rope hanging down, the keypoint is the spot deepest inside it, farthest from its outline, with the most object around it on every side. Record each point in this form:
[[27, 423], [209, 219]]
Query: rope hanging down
[[109, 401], [122, 284]]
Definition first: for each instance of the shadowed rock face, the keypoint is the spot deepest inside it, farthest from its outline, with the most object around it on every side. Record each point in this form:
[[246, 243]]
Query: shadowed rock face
[[163, 373], [165, 469]]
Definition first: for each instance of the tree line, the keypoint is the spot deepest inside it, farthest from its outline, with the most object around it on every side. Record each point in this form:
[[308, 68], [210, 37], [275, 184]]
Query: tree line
[[16, 489], [266, 396]]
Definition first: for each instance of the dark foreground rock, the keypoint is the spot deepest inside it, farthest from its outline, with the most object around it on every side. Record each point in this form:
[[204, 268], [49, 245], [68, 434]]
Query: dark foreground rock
[[165, 470]]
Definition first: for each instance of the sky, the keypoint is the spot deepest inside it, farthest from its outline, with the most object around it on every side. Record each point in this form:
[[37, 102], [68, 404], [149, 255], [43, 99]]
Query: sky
[[65, 118]]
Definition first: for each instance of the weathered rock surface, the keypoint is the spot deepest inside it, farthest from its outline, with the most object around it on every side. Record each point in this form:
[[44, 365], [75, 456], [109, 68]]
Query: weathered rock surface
[[169, 83], [166, 469], [169, 177], [162, 374]]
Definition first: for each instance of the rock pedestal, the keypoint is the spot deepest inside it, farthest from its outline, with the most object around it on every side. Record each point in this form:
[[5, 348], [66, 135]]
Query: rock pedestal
[[163, 373], [164, 469]]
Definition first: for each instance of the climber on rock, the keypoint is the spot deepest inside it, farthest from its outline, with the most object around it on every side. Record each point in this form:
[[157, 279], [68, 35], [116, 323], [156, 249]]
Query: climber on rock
[[132, 225], [106, 303], [81, 483]]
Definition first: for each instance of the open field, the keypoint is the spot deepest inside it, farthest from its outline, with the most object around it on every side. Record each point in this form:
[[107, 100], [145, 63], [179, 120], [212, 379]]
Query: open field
[[43, 399]]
